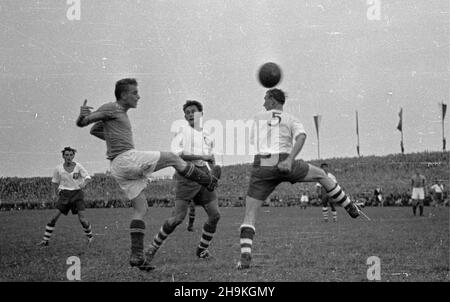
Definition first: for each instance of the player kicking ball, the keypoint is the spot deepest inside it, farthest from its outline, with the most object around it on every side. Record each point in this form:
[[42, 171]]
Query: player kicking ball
[[195, 145], [279, 137], [132, 168], [69, 179]]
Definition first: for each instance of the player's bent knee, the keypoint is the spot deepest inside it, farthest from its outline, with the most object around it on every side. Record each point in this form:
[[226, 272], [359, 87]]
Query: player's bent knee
[[214, 218], [168, 159]]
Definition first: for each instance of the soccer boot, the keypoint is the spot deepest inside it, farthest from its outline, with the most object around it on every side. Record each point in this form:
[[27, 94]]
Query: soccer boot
[[150, 253], [215, 174], [352, 209], [245, 261], [43, 243], [140, 262], [202, 253]]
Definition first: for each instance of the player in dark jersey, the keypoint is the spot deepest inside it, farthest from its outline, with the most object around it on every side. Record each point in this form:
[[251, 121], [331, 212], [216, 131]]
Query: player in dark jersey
[[132, 168]]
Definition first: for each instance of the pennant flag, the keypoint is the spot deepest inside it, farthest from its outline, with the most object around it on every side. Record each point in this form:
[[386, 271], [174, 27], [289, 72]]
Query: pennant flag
[[444, 110], [400, 122], [317, 119]]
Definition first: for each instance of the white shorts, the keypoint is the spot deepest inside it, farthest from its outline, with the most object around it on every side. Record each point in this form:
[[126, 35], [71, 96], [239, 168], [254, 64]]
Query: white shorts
[[132, 169], [418, 193]]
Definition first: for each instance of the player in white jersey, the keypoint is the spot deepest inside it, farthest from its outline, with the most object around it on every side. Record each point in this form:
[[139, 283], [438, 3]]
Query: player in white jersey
[[278, 138], [322, 193], [437, 190], [68, 181], [195, 145]]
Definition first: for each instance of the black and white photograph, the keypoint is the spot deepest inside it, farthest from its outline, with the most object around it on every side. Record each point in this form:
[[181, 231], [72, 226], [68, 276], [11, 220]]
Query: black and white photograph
[[227, 148]]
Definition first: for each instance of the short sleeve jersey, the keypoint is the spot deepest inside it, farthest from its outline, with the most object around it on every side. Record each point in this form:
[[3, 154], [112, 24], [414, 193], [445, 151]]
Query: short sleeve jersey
[[437, 188], [117, 130], [274, 131], [190, 141], [70, 181]]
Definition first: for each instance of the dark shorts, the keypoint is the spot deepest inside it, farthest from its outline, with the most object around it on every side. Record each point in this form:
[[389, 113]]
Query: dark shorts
[[191, 191], [70, 201], [264, 178], [326, 201], [438, 196]]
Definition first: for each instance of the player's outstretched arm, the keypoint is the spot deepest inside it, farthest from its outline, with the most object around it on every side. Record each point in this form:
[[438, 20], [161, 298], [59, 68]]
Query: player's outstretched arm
[[87, 117]]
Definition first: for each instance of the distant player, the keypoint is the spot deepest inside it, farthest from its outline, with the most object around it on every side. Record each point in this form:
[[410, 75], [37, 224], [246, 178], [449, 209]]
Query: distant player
[[278, 138], [437, 190], [418, 186], [378, 193], [195, 145], [69, 179], [132, 168], [304, 200], [326, 200]]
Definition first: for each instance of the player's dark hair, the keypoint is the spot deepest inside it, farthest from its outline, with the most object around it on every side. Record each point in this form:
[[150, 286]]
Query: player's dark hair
[[323, 165], [277, 94], [193, 103], [122, 86], [69, 149]]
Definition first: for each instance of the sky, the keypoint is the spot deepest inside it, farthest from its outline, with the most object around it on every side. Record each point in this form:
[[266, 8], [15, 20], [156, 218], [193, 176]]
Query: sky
[[337, 57]]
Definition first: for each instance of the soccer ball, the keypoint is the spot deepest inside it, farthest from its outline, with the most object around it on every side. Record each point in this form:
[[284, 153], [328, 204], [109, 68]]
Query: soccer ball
[[269, 74]]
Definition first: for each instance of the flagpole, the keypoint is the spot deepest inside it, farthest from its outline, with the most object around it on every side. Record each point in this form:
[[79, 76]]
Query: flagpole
[[318, 145], [317, 118], [401, 143], [400, 128], [357, 134], [443, 133]]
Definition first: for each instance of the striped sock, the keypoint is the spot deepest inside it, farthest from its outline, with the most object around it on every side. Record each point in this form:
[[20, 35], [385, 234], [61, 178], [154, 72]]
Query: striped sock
[[207, 236], [137, 230], [338, 196], [162, 235], [49, 228], [334, 215], [88, 231], [247, 234], [191, 215], [325, 213]]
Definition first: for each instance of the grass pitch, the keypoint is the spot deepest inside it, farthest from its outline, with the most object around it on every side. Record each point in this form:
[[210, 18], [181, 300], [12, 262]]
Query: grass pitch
[[291, 244]]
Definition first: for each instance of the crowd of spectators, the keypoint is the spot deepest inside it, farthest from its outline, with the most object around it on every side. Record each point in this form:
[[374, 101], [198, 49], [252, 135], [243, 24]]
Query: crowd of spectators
[[358, 176]]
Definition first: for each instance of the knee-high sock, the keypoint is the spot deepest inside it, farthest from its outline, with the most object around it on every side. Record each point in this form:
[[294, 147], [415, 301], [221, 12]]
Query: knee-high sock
[[338, 196], [49, 228], [88, 230], [191, 214], [207, 235], [137, 229], [162, 235], [325, 213], [334, 213], [247, 234]]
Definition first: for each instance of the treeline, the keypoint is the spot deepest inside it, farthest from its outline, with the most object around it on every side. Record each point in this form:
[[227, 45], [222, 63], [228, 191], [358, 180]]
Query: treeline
[[359, 176]]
